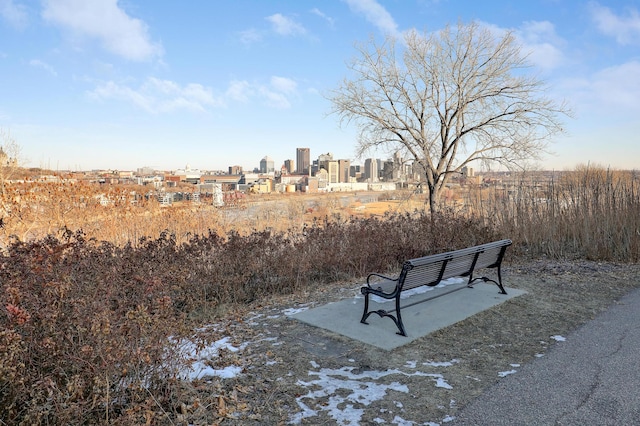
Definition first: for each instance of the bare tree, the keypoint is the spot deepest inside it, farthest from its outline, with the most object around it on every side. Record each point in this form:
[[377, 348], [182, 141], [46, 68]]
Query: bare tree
[[458, 96]]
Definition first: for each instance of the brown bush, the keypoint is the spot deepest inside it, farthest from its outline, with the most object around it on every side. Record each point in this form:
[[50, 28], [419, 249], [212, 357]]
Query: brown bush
[[84, 337]]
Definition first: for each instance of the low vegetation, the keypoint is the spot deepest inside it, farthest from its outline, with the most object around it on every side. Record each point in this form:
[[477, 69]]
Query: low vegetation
[[91, 327]]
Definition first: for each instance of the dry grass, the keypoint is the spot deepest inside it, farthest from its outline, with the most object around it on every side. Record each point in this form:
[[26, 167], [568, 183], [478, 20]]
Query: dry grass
[[590, 213]]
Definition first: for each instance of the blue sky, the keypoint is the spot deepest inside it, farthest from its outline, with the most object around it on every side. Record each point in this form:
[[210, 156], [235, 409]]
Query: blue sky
[[106, 84]]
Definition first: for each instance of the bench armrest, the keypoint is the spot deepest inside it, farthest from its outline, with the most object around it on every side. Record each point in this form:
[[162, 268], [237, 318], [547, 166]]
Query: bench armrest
[[379, 276]]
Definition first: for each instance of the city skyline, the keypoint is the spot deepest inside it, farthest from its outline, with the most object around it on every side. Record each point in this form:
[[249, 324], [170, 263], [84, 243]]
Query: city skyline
[[108, 84]]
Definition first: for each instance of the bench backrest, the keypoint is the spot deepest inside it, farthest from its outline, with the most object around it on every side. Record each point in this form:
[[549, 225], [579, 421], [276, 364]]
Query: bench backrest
[[430, 270]]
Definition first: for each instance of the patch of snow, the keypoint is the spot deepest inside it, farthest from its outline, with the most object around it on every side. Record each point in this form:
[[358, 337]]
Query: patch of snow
[[558, 338], [199, 367], [506, 373], [441, 383], [514, 365], [420, 290], [402, 422], [448, 419], [199, 371], [442, 364], [292, 311], [360, 390]]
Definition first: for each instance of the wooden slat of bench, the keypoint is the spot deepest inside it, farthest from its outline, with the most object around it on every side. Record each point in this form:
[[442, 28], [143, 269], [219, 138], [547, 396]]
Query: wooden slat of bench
[[489, 257], [431, 274], [428, 274], [460, 266], [494, 247]]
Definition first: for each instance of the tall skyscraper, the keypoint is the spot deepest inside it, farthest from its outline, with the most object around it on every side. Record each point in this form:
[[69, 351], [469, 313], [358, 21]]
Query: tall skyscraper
[[371, 170], [266, 165], [343, 170], [288, 165], [303, 160], [333, 168]]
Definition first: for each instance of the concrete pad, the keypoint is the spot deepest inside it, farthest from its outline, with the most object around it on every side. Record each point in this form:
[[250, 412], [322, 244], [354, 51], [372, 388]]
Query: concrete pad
[[419, 320]]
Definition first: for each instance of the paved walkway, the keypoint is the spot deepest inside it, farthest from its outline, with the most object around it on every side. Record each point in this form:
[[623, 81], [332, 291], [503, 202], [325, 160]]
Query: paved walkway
[[592, 378]]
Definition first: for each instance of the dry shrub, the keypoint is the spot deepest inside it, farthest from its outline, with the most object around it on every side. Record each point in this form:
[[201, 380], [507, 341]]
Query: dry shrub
[[336, 250], [84, 335]]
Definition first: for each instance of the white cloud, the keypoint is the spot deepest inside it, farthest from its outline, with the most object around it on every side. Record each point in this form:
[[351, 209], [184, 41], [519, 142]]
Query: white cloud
[[105, 21], [319, 13], [540, 41], [14, 14], [277, 94], [610, 92], [283, 84], [111, 90], [40, 64], [250, 36], [625, 29], [274, 99], [615, 87], [160, 96], [163, 96], [239, 91], [285, 26], [375, 14]]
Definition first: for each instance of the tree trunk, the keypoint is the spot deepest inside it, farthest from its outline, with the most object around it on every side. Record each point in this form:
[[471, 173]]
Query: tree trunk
[[433, 200]]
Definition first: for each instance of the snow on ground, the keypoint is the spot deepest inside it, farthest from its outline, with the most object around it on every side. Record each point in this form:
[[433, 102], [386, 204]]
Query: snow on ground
[[199, 367], [340, 390], [420, 290], [506, 373], [342, 393]]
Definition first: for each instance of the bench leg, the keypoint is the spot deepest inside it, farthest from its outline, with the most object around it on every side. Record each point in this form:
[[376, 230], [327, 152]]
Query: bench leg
[[398, 320], [382, 313], [503, 291], [487, 279], [365, 313]]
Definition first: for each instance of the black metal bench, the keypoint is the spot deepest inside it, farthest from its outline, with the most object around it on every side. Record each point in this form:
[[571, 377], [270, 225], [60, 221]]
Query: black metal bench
[[430, 271]]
